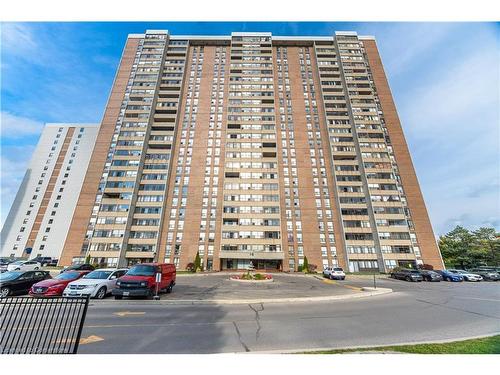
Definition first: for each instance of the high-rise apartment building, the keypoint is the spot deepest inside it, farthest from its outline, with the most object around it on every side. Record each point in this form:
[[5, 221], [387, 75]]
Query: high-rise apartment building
[[251, 148], [39, 219]]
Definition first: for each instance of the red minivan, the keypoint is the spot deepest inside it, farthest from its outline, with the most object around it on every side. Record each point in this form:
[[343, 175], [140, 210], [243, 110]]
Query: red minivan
[[140, 280]]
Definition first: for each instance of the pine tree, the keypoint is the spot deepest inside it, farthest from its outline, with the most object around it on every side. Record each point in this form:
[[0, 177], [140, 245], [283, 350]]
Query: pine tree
[[197, 262], [305, 266]]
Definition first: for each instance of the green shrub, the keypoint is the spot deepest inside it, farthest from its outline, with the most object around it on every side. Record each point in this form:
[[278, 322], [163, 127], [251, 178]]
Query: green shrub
[[305, 266], [197, 262]]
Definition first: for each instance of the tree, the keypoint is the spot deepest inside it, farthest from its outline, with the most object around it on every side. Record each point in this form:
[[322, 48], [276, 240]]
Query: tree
[[197, 262], [488, 245], [305, 265], [463, 248]]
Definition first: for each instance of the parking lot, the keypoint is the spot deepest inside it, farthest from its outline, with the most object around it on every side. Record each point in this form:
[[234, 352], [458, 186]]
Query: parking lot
[[218, 286], [414, 312]]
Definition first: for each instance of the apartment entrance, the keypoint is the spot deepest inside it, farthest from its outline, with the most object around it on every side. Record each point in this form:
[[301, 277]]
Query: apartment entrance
[[258, 264]]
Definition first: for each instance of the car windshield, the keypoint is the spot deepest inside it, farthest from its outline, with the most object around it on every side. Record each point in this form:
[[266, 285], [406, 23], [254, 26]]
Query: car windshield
[[7, 276], [97, 275], [338, 269], [67, 276], [415, 272], [142, 270]]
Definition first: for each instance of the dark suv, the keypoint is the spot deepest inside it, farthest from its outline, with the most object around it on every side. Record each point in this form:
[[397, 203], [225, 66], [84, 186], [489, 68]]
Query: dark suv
[[430, 275], [487, 273], [406, 274]]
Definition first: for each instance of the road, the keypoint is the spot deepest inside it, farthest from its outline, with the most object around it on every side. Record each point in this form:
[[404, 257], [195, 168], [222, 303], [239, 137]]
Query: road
[[415, 312]]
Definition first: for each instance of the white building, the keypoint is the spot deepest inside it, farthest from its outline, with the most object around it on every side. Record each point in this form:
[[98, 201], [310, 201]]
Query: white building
[[40, 216]]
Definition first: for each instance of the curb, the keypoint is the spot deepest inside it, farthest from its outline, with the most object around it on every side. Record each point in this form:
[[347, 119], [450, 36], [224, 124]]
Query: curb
[[366, 292], [252, 281], [310, 351]]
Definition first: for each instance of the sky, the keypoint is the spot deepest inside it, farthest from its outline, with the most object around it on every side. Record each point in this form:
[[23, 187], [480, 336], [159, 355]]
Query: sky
[[444, 78]]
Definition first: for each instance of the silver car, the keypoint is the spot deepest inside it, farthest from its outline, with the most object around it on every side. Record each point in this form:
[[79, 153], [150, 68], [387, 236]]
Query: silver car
[[468, 276]]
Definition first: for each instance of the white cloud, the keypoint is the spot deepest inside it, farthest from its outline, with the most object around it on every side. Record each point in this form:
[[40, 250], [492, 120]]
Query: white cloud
[[17, 38], [450, 115], [403, 44], [13, 126], [466, 88]]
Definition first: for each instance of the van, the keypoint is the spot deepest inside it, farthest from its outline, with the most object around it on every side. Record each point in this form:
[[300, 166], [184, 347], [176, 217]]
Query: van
[[140, 280]]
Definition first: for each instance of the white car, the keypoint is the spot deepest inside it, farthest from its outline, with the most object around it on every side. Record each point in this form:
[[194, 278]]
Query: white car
[[334, 273], [24, 265], [467, 275], [96, 284]]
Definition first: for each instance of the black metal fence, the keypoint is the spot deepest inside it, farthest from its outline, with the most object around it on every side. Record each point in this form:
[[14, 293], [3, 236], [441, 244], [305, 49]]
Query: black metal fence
[[41, 325]]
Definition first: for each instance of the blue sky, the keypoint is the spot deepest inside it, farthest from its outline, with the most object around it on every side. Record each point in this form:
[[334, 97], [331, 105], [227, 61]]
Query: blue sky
[[444, 78]]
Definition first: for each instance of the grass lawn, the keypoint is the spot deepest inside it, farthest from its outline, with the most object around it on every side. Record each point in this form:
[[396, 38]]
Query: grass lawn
[[486, 345]]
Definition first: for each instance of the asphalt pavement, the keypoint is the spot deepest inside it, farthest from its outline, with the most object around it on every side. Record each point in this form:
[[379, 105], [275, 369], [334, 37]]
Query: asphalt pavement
[[414, 312]]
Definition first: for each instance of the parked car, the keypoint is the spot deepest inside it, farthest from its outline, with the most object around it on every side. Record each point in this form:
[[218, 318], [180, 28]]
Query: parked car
[[96, 284], [430, 275], [140, 280], [407, 274], [24, 265], [486, 273], [450, 276], [55, 287], [78, 267], [4, 262], [44, 261], [20, 282], [334, 273], [468, 276]]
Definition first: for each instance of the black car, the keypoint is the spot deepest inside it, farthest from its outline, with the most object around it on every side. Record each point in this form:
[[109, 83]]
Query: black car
[[20, 282], [487, 273], [79, 267], [429, 275], [406, 274]]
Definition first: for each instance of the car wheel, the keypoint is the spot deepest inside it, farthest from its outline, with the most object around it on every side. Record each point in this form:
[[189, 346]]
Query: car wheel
[[330, 277], [343, 278], [118, 297], [101, 293], [4, 292], [408, 278], [170, 287]]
